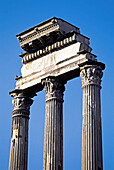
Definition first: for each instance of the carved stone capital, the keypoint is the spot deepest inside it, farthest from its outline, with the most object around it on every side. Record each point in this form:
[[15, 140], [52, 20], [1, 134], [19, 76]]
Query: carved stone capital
[[21, 102], [91, 75], [53, 88]]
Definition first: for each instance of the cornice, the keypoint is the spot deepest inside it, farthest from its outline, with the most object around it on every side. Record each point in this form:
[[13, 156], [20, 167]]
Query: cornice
[[51, 48], [46, 33], [71, 39], [36, 33]]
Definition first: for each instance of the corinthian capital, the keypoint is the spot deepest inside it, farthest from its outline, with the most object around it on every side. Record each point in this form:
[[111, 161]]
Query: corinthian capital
[[91, 75], [21, 101], [53, 88]]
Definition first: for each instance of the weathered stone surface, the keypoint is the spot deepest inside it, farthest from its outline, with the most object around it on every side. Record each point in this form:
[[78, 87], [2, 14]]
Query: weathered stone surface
[[19, 139], [56, 52], [53, 48], [58, 63], [45, 33], [70, 39], [92, 132], [53, 140]]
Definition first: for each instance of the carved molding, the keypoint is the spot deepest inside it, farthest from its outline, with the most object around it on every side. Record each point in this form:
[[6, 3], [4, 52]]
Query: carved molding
[[27, 57], [91, 75], [51, 48], [53, 88], [36, 33]]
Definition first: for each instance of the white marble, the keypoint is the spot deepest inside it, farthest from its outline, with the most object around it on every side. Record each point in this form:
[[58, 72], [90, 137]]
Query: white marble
[[53, 138], [92, 131], [53, 64], [19, 140]]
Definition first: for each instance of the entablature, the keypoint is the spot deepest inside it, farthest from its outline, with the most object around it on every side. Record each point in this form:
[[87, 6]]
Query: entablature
[[53, 48], [44, 34], [70, 39]]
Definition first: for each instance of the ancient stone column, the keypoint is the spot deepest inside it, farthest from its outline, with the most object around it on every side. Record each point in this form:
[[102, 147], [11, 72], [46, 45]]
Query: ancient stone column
[[92, 133], [19, 138], [53, 139]]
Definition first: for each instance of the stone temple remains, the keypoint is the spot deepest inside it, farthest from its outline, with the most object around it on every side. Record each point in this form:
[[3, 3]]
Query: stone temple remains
[[55, 52]]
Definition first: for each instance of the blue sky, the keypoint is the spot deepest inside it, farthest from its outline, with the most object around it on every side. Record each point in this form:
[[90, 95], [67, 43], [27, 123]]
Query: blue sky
[[95, 20]]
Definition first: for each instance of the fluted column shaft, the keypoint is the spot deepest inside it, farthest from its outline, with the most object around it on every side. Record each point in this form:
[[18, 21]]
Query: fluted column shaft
[[19, 139], [53, 139], [92, 132]]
